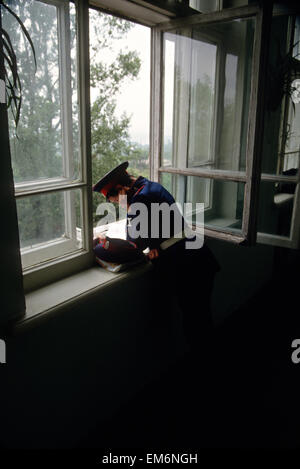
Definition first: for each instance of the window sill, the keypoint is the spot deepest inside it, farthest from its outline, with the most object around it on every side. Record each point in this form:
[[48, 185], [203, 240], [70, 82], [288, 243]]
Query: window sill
[[55, 297]]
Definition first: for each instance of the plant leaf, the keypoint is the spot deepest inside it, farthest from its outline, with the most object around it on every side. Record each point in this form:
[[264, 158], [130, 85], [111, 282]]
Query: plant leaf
[[24, 31], [13, 69], [13, 98], [9, 47], [12, 60], [6, 35], [12, 94]]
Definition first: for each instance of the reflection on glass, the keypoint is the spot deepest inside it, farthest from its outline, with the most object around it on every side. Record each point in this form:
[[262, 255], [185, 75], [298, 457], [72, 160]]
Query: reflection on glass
[[202, 97], [75, 169], [48, 218], [229, 145], [208, 71], [281, 153], [276, 201], [39, 150], [168, 103], [223, 200], [205, 6], [291, 152], [290, 159]]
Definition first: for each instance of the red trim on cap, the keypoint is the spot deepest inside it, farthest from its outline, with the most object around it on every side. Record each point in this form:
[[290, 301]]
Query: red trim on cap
[[108, 186]]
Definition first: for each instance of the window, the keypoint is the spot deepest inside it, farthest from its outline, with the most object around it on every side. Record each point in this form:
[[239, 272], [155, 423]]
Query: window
[[120, 100], [279, 189], [210, 74], [208, 77], [206, 138], [47, 148], [207, 122]]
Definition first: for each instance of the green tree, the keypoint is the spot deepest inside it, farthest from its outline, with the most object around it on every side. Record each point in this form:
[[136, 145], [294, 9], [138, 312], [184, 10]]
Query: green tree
[[111, 143], [37, 146]]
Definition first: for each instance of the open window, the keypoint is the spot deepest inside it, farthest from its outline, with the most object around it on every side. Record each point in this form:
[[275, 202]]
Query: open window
[[211, 76], [209, 79], [278, 214]]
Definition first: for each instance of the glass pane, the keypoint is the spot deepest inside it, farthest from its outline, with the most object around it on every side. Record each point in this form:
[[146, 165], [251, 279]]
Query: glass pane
[[75, 162], [205, 6], [168, 103], [45, 144], [276, 201], [51, 220], [234, 3], [202, 99], [282, 119], [223, 200], [120, 96], [207, 78]]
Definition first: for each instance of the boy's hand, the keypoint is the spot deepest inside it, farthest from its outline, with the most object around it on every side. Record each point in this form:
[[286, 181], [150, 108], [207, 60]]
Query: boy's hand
[[153, 254], [100, 239]]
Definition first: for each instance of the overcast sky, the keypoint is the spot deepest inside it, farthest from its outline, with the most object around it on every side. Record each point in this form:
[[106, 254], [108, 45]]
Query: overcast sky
[[134, 98]]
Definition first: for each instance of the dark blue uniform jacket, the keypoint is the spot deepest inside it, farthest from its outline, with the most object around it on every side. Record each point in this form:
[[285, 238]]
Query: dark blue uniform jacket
[[149, 192]]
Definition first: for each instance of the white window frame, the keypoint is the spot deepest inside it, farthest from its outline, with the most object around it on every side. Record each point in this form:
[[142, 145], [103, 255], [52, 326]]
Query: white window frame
[[251, 177], [57, 258], [215, 139]]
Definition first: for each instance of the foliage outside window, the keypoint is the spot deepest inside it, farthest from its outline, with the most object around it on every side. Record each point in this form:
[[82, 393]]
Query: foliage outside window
[[46, 149], [112, 67], [45, 145]]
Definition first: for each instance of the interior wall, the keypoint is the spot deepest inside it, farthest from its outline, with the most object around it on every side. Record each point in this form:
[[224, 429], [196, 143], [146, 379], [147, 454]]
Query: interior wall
[[243, 272], [77, 366]]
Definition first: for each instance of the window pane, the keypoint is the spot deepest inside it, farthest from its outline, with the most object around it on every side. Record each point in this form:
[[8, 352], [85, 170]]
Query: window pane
[[202, 100], [50, 223], [205, 6], [207, 69], [223, 200], [120, 96], [167, 148], [282, 119], [234, 3], [276, 203], [46, 144]]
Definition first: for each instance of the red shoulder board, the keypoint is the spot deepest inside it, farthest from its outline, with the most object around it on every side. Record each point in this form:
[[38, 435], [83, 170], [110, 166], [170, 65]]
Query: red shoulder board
[[139, 190]]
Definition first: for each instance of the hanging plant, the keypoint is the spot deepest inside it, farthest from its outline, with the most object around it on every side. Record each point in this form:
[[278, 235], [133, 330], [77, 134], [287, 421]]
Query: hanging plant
[[282, 78], [13, 85]]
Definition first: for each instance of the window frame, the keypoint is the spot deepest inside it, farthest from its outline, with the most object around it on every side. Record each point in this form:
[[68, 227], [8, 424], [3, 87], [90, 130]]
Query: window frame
[[251, 177], [60, 261], [219, 90], [293, 240]]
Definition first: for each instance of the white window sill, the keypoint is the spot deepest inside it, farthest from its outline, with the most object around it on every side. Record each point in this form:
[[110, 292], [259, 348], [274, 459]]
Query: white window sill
[[55, 297]]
